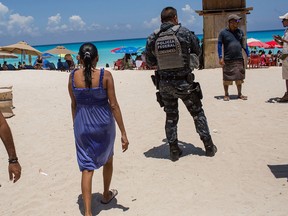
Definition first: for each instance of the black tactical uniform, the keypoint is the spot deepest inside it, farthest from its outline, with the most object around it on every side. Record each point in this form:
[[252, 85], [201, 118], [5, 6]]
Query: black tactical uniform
[[174, 83]]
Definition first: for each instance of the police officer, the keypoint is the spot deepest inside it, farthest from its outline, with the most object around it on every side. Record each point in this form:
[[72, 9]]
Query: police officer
[[171, 49]]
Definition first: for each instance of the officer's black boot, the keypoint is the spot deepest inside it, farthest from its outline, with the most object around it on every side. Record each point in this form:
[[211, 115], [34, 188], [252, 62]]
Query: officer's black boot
[[175, 151], [210, 148]]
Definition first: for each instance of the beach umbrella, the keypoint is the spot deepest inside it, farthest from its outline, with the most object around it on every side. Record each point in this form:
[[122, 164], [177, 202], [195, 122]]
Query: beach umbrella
[[5, 55], [115, 49], [60, 50], [141, 49], [22, 48], [249, 40], [272, 44], [126, 50], [47, 55], [258, 44]]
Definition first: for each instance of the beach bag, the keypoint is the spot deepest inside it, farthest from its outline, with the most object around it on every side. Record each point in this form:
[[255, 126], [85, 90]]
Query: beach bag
[[168, 49]]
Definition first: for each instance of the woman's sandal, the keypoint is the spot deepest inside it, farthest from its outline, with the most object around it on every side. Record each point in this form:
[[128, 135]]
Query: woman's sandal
[[113, 193]]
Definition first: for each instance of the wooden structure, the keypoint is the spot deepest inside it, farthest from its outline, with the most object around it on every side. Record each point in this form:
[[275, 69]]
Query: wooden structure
[[6, 101], [215, 15]]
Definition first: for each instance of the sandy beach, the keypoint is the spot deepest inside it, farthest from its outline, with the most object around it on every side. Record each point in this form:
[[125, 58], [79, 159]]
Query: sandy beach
[[250, 135]]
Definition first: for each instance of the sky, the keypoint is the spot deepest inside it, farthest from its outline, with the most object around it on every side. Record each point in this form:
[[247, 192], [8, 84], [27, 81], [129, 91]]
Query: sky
[[68, 21]]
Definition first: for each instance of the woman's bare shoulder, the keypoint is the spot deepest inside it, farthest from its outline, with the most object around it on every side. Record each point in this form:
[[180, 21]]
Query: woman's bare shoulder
[[107, 73]]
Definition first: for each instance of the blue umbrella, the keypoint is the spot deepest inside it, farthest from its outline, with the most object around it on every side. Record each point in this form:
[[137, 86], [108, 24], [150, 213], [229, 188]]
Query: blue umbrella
[[47, 55], [141, 49], [127, 50]]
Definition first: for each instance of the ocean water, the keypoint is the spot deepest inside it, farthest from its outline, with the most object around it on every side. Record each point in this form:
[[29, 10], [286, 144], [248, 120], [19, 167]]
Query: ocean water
[[105, 47]]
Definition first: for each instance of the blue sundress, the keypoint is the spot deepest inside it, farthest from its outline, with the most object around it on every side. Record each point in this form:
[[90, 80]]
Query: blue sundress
[[94, 126]]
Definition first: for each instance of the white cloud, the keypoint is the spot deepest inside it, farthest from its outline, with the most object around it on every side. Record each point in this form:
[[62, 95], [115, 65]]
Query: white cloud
[[94, 26], [116, 27], [18, 24], [187, 9], [153, 23], [18, 20], [55, 25], [188, 16], [128, 26], [54, 20], [121, 27], [57, 28], [3, 9], [77, 23]]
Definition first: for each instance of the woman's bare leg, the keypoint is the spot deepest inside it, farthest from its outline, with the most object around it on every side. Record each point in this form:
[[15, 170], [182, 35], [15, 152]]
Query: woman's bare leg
[[86, 186], [107, 176]]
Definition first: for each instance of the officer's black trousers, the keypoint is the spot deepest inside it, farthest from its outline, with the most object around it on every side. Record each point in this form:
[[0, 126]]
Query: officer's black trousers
[[170, 95]]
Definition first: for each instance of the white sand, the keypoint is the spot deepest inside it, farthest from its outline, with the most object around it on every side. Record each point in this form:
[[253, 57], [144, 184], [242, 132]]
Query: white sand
[[249, 135]]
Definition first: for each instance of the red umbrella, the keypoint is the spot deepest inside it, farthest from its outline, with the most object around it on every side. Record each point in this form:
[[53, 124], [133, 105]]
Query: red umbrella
[[115, 49], [258, 44], [273, 44]]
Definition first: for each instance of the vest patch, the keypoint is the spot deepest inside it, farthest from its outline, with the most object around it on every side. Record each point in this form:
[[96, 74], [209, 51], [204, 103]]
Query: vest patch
[[168, 50]]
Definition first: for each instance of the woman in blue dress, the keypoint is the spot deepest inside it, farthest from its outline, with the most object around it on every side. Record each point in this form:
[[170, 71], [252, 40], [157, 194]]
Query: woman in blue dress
[[94, 107]]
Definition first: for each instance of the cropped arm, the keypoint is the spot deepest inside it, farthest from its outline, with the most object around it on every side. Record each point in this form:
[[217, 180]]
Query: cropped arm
[[116, 109], [149, 55], [195, 48], [73, 100], [247, 50], [7, 138], [220, 49]]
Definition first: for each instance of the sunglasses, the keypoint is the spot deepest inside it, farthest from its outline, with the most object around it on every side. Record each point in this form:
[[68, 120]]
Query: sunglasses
[[284, 20], [236, 21]]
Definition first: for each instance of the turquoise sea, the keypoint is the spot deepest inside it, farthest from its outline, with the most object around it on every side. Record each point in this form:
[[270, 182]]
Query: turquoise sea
[[105, 47]]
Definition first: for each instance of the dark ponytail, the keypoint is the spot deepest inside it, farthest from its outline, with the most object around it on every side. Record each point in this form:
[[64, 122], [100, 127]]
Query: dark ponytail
[[88, 52]]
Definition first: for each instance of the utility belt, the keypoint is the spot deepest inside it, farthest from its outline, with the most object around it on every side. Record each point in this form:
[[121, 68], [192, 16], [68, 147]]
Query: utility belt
[[173, 77], [196, 89], [157, 77]]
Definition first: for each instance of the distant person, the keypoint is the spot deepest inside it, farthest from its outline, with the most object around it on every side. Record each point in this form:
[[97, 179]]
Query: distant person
[[278, 57], [14, 168], [283, 41], [263, 58], [5, 66], [70, 62], [175, 80], [128, 61], [23, 66], [78, 62], [233, 40], [138, 62], [38, 63], [94, 107], [60, 65]]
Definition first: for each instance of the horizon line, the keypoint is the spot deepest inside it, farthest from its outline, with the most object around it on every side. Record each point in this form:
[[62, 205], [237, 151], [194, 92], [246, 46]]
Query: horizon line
[[134, 38]]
